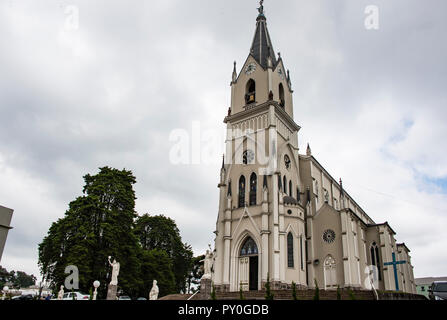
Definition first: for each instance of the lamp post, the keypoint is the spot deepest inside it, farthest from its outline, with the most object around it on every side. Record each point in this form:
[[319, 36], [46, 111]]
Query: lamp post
[[5, 291], [96, 284]]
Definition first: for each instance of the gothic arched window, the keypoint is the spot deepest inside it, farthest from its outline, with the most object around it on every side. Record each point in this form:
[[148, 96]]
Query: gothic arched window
[[253, 188], [298, 195], [290, 260], [375, 261], [249, 248], [242, 192], [301, 252], [285, 184], [250, 92], [290, 188], [282, 101]]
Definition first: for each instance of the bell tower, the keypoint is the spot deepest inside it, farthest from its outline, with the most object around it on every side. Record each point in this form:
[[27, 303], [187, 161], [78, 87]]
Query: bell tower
[[260, 226], [263, 76]]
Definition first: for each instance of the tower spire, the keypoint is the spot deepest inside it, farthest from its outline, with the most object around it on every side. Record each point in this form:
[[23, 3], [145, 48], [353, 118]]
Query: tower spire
[[262, 48]]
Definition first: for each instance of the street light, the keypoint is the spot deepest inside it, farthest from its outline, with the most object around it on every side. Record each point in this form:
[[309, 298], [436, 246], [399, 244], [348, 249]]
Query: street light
[[96, 284]]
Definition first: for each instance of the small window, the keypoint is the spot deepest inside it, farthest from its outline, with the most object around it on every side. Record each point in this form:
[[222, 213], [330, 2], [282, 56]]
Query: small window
[[290, 188], [242, 192], [301, 252], [253, 188], [282, 101], [290, 262], [285, 184], [250, 94]]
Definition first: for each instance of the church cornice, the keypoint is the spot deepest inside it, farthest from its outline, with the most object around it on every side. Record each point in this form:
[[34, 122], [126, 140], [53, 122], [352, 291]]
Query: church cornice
[[261, 108]]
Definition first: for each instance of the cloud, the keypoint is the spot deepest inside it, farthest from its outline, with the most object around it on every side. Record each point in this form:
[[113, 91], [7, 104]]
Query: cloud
[[371, 103]]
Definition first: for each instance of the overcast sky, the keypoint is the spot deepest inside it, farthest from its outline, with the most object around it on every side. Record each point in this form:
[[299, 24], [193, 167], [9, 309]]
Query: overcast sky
[[86, 84]]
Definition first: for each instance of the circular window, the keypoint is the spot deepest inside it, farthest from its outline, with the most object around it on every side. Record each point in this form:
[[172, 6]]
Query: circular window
[[289, 212], [248, 157], [287, 161], [329, 236]]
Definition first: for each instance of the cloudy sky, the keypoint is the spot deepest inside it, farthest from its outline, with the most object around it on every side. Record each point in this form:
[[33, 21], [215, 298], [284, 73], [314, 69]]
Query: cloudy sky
[[86, 84]]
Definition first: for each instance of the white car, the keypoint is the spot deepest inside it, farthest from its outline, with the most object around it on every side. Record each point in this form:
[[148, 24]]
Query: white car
[[75, 296]]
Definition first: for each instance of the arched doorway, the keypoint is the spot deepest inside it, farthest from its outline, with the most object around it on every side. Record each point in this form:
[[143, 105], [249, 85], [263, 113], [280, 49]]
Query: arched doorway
[[249, 265], [330, 273]]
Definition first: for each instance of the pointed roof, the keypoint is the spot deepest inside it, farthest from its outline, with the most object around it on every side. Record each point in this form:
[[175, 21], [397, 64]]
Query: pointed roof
[[262, 48]]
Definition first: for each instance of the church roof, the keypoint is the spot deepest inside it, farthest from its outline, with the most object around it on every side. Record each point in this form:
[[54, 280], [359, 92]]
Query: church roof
[[262, 48], [403, 245], [290, 200]]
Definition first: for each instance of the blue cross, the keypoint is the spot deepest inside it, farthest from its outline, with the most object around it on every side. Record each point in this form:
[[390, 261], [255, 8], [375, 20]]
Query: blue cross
[[394, 264]]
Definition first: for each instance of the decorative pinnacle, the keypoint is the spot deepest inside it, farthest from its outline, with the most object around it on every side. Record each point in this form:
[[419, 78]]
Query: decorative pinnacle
[[261, 8]]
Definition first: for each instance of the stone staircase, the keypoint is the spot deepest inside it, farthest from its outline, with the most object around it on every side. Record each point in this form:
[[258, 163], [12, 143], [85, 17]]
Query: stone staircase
[[305, 295], [301, 295], [324, 295]]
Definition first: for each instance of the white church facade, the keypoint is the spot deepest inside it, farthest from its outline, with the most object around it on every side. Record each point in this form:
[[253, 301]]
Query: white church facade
[[281, 215]]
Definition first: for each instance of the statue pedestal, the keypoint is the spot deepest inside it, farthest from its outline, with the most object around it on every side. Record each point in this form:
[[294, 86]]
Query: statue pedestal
[[206, 288], [111, 292]]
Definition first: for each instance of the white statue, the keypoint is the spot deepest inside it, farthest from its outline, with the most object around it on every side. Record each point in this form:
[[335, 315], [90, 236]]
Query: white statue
[[115, 271], [60, 294], [153, 295], [208, 264]]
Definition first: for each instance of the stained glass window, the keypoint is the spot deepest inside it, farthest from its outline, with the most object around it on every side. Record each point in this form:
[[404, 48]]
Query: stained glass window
[[290, 262], [249, 248]]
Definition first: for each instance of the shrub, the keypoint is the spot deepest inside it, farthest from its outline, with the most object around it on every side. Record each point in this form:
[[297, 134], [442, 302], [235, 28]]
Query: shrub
[[294, 296], [352, 295], [317, 291], [241, 293], [268, 292], [213, 293]]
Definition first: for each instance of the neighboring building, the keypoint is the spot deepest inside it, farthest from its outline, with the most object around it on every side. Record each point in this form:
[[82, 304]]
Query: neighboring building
[[423, 284], [5, 226], [286, 219]]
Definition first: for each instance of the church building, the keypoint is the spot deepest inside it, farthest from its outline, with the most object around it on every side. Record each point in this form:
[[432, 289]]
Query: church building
[[5, 226], [282, 217]]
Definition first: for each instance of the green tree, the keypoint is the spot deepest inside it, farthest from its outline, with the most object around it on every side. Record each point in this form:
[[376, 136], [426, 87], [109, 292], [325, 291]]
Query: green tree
[[97, 225], [18, 279], [338, 293], [156, 265], [195, 274], [24, 280], [160, 232]]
